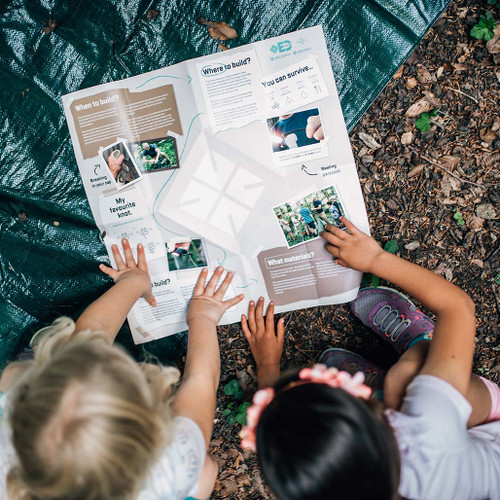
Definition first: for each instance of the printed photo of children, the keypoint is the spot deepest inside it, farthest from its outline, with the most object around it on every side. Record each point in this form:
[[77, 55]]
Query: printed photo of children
[[303, 219], [295, 130], [156, 154], [185, 253], [121, 164]]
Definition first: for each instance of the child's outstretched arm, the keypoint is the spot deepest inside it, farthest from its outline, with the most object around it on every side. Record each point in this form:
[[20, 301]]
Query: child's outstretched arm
[[195, 398], [265, 344], [132, 281], [451, 350]]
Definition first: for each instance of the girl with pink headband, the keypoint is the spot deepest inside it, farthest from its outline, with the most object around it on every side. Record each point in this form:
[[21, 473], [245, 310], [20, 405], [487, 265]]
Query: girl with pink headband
[[317, 432]]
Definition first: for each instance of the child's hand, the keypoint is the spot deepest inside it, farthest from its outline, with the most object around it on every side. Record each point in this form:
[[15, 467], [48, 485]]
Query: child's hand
[[207, 303], [136, 274], [265, 344], [352, 249]]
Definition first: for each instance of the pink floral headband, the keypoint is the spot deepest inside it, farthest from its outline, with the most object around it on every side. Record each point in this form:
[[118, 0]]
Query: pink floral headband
[[321, 374]]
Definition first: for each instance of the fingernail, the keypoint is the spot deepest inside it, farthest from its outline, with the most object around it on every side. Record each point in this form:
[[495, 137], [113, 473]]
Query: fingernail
[[220, 268], [251, 302], [230, 274], [271, 303]]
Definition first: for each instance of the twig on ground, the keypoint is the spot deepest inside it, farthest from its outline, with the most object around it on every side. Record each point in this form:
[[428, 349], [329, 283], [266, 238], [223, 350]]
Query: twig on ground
[[449, 172], [463, 93]]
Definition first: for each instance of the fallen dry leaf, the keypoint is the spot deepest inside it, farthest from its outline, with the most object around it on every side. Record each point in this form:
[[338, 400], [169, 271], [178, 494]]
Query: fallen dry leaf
[[229, 488], [411, 83], [50, 26], [492, 159], [474, 223], [416, 170], [478, 263], [419, 107], [423, 76], [219, 30], [413, 245], [22, 216], [369, 140], [399, 73], [426, 103], [493, 45], [459, 67], [444, 270], [449, 184], [450, 162], [486, 211], [222, 46], [432, 98], [487, 135], [152, 14], [407, 138]]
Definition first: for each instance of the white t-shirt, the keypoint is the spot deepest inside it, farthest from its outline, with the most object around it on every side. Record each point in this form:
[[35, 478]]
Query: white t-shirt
[[174, 477], [440, 458]]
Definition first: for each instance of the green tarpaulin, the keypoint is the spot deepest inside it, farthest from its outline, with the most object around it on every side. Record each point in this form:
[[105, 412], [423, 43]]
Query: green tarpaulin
[[49, 245]]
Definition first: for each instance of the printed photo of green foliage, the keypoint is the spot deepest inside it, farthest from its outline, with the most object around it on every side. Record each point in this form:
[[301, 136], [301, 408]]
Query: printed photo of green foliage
[[185, 254], [303, 219], [156, 154]]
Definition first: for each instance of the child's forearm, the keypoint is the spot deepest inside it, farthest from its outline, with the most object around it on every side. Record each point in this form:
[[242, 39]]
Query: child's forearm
[[203, 357], [431, 290], [267, 375], [109, 311]]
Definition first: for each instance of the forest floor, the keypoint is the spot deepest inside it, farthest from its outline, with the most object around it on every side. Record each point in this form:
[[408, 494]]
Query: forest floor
[[436, 193]]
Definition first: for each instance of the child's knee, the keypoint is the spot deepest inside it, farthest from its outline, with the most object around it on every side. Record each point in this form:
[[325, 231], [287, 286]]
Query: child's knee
[[396, 382]]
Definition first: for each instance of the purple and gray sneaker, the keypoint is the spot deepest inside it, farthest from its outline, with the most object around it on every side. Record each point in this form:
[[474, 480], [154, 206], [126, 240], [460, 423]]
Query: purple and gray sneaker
[[392, 316], [352, 363]]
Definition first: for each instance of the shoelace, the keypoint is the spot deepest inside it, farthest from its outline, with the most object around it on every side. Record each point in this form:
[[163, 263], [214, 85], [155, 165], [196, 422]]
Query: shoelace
[[391, 322]]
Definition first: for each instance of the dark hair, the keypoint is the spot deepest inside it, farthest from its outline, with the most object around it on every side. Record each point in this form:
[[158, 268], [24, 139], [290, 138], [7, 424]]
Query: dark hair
[[316, 442]]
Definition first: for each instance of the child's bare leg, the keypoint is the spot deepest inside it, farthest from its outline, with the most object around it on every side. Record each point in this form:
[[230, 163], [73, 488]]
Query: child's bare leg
[[407, 368], [403, 372], [479, 398]]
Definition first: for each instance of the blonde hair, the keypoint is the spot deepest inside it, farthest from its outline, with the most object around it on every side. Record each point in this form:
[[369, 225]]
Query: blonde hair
[[87, 421]]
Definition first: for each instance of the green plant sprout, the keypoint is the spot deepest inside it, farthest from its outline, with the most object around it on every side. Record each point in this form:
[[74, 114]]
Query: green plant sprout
[[484, 28], [233, 388], [236, 414], [391, 246], [424, 121], [458, 217]]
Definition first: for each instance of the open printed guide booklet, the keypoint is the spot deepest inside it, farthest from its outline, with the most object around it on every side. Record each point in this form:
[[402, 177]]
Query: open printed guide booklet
[[236, 159]]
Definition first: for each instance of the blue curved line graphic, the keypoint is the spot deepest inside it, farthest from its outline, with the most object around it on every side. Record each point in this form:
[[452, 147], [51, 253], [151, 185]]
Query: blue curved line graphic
[[223, 251], [160, 76], [187, 135], [250, 284]]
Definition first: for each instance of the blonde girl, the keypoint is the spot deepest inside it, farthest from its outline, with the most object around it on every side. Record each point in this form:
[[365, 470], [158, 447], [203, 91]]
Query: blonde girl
[[83, 421]]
